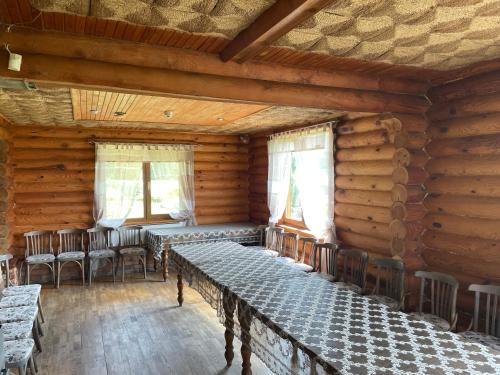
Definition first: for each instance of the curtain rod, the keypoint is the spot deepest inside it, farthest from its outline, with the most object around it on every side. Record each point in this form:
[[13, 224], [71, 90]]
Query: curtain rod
[[292, 131], [140, 143]]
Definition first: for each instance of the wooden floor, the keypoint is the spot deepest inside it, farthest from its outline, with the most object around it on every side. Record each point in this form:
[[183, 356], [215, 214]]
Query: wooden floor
[[133, 328]]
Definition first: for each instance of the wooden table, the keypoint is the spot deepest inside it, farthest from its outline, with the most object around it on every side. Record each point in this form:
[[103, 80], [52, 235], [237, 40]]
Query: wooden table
[[302, 324]]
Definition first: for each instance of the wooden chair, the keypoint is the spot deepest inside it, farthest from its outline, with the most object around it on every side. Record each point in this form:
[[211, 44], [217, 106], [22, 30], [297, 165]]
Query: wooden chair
[[273, 241], [39, 251], [302, 244], [288, 242], [324, 260], [443, 300], [70, 251], [131, 246], [19, 355], [489, 335], [389, 286], [99, 240], [355, 264]]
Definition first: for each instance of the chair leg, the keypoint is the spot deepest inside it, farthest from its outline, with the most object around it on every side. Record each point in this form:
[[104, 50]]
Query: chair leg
[[83, 272], [54, 274], [32, 365], [144, 263], [90, 271], [123, 269], [38, 326], [40, 309], [36, 338], [113, 269], [28, 274], [22, 369], [58, 274]]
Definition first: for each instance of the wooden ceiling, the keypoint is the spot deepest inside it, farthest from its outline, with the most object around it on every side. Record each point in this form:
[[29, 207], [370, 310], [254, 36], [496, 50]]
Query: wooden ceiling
[[96, 105]]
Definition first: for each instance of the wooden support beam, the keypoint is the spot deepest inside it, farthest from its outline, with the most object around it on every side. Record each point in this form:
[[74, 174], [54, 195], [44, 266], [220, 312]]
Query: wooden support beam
[[276, 21], [29, 41], [163, 82]]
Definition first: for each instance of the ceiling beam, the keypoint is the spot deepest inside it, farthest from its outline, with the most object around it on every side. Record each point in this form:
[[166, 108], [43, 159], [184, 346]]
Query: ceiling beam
[[276, 21], [24, 40], [166, 82]]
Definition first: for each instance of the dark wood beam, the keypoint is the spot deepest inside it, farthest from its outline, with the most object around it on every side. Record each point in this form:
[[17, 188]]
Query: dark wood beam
[[24, 40], [280, 18], [166, 82]]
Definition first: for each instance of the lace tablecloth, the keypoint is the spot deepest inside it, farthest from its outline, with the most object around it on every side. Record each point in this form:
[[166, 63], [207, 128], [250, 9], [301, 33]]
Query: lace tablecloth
[[303, 324]]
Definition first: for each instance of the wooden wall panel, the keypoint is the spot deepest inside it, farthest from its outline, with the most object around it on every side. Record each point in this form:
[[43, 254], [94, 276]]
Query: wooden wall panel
[[257, 189], [53, 176], [462, 236]]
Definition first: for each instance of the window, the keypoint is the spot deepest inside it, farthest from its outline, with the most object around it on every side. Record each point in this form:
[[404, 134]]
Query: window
[[293, 211]]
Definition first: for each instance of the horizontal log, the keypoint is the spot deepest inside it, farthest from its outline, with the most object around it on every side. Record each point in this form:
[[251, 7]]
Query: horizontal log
[[407, 249], [364, 227], [412, 123], [466, 226], [209, 166], [472, 105], [378, 183], [481, 84], [46, 209], [232, 157], [22, 154], [222, 210], [364, 197], [219, 219], [483, 186], [209, 194], [370, 153], [222, 202], [467, 246], [61, 165], [407, 193], [72, 72], [373, 138], [221, 184], [53, 187], [370, 168], [54, 197], [418, 158], [409, 176], [55, 219], [357, 211], [480, 145], [406, 230], [30, 176], [466, 165], [410, 140], [220, 175], [483, 124], [481, 207], [364, 242], [408, 211], [371, 123], [20, 229]]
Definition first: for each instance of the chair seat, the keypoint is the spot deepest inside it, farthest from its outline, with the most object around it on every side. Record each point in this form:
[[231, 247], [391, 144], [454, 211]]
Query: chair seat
[[286, 260], [438, 322], [353, 287], [71, 255], [17, 352], [17, 330], [482, 338], [22, 289], [5, 257], [133, 251], [29, 299], [302, 267], [19, 313], [324, 276], [105, 253], [385, 300], [40, 258], [271, 253]]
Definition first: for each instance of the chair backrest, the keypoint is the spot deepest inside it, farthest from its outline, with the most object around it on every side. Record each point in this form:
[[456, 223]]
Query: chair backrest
[[262, 234], [491, 308], [289, 244], [70, 240], [273, 238], [130, 236], [38, 242], [329, 252], [443, 295], [98, 238], [303, 244], [390, 278], [354, 267]]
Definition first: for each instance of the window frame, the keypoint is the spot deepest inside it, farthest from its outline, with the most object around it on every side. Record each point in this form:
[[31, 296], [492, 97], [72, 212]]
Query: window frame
[[148, 218], [287, 220]]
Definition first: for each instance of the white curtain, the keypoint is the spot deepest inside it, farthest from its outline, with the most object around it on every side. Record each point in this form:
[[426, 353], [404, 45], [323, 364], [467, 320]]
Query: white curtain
[[312, 151], [118, 190]]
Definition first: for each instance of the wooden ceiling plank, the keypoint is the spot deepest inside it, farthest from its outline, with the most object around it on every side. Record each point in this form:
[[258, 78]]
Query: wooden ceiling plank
[[109, 31], [4, 13], [80, 24], [28, 13], [69, 23], [119, 30], [59, 21], [273, 23], [100, 26], [165, 82], [113, 51], [14, 11], [90, 25], [76, 101]]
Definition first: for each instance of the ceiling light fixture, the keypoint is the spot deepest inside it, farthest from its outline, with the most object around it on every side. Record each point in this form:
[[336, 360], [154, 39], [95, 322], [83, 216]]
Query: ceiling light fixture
[[15, 60], [169, 114], [220, 118], [119, 113], [94, 111]]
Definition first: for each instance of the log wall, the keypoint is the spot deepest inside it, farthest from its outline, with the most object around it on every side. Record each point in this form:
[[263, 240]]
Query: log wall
[[257, 178], [463, 220], [53, 176]]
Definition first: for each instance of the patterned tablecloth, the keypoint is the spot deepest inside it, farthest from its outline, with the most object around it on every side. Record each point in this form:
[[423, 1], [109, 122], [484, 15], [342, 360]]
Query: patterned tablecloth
[[159, 240], [301, 321]]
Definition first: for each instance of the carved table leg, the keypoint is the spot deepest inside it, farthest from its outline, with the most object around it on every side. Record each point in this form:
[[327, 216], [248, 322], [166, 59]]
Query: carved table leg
[[164, 256], [180, 286], [229, 306], [245, 319]]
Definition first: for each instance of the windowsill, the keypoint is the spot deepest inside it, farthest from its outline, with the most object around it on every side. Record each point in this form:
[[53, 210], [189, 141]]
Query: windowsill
[[300, 231]]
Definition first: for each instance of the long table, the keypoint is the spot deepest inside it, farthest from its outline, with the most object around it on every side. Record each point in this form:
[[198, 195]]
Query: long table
[[158, 241], [299, 323]]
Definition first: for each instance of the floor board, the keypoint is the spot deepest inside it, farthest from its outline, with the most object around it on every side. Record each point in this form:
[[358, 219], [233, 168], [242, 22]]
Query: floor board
[[133, 328]]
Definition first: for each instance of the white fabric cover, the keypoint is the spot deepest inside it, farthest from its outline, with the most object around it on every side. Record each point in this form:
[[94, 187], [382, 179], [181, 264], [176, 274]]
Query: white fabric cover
[[278, 181], [124, 162]]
